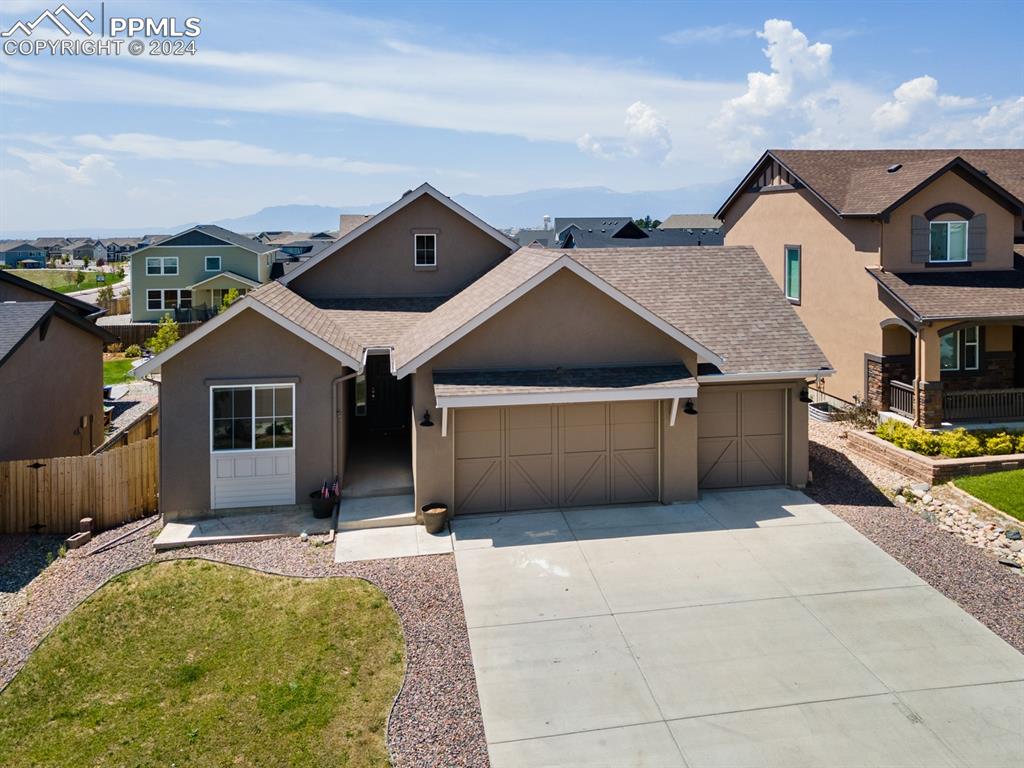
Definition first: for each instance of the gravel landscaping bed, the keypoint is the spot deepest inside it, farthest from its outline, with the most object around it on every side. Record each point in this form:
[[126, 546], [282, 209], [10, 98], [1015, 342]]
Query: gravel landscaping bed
[[436, 719], [849, 486]]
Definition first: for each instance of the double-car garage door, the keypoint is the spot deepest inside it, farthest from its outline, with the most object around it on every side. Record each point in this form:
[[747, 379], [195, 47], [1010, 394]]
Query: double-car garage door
[[535, 456]]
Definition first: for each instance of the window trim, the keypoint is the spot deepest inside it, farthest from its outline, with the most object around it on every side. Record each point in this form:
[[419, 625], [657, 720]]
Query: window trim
[[415, 249], [160, 297], [206, 263], [252, 417], [976, 344], [946, 223], [163, 262], [800, 273], [177, 298]]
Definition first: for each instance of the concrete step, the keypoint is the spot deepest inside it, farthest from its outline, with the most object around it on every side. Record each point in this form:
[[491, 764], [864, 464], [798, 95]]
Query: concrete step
[[359, 513], [369, 493]]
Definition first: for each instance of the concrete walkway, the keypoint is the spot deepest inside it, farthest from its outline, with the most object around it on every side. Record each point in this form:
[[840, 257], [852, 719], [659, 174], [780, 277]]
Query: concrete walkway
[[752, 629], [241, 525]]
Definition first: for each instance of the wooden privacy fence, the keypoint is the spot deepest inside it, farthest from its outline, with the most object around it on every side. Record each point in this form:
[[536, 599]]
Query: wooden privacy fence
[[140, 333], [143, 428], [119, 305], [52, 495]]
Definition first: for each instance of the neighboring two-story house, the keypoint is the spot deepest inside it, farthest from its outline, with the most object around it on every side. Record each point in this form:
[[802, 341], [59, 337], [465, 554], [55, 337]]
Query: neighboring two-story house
[[424, 356], [906, 267], [187, 275], [22, 254]]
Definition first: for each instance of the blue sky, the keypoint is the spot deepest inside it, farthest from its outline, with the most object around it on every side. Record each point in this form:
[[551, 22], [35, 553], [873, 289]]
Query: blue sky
[[335, 104]]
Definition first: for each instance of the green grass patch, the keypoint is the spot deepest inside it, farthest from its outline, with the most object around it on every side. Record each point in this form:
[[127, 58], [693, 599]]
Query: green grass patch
[[1003, 490], [63, 280], [116, 371], [192, 663]]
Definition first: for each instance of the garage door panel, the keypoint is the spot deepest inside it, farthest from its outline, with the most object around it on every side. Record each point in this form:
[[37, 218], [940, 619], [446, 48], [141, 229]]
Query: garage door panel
[[584, 479], [635, 476], [762, 412], [531, 432], [762, 460], [718, 462], [633, 412], [479, 485], [531, 482], [719, 414]]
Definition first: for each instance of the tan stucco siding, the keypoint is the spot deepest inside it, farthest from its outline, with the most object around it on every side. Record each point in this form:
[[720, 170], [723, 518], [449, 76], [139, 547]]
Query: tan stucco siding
[[949, 188], [48, 387], [380, 262], [246, 348], [191, 269], [839, 300]]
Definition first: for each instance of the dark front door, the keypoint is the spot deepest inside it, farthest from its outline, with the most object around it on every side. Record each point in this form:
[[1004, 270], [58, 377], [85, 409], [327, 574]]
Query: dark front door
[[382, 405], [1018, 356]]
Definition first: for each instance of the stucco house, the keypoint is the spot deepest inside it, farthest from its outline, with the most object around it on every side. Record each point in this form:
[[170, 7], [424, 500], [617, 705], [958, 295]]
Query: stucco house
[[906, 266], [187, 275], [423, 353], [51, 372]]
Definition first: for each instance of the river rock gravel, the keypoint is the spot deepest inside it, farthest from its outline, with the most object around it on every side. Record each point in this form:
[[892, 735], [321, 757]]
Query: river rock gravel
[[851, 487]]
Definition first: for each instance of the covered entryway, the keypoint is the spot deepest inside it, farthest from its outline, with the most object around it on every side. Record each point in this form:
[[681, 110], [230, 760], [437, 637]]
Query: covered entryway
[[536, 456], [741, 437]]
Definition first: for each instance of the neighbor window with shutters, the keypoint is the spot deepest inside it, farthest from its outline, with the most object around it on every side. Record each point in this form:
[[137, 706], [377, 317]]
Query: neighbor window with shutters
[[793, 273], [948, 241], [249, 418], [426, 250]]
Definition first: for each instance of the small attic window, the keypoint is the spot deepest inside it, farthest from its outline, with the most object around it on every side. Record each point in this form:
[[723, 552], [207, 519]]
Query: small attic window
[[894, 168]]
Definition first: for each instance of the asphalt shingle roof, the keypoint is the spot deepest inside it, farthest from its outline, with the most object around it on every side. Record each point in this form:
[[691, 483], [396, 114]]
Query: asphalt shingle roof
[[378, 322], [957, 295], [17, 319], [235, 239], [293, 307], [722, 296], [857, 181], [691, 221]]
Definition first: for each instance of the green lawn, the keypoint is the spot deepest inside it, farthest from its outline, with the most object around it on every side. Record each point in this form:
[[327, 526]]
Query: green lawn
[[63, 280], [1003, 490], [117, 371], [192, 663]]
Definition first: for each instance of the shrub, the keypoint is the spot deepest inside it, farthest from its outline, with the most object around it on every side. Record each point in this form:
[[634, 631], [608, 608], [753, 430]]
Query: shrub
[[116, 347], [959, 443], [134, 350], [910, 438], [106, 293], [166, 335], [229, 298], [859, 415], [999, 444]]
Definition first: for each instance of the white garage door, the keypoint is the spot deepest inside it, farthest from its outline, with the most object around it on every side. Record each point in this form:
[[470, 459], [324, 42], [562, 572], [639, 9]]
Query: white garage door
[[741, 437], [252, 446], [531, 457]]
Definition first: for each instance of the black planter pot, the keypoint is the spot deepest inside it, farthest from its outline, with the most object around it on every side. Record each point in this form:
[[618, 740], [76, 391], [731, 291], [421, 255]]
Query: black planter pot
[[322, 507]]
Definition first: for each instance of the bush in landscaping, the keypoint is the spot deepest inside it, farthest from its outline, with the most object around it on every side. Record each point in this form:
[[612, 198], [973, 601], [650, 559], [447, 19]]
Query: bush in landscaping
[[910, 438], [116, 347], [959, 443], [134, 350], [999, 444], [859, 415]]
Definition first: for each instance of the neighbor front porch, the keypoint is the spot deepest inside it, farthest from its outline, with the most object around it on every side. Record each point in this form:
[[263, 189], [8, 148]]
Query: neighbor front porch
[[941, 375]]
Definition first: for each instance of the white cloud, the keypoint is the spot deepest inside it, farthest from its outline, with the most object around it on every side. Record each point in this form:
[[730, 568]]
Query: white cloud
[[797, 67], [89, 171], [712, 34], [646, 137], [150, 147]]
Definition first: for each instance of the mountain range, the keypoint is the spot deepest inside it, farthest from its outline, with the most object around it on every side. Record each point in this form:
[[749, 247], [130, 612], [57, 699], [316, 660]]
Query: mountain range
[[520, 209]]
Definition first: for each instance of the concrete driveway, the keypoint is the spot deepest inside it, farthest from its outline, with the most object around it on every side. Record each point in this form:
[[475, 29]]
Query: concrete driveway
[[754, 628]]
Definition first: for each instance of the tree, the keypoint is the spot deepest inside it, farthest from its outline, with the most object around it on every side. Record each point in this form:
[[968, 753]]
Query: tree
[[79, 277], [166, 335], [106, 294], [647, 223], [229, 298]]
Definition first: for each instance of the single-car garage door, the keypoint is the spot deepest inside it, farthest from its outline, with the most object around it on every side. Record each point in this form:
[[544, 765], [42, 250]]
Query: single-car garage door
[[535, 456], [741, 437]]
